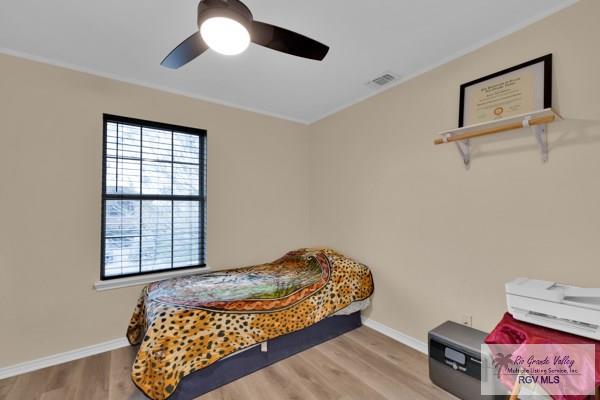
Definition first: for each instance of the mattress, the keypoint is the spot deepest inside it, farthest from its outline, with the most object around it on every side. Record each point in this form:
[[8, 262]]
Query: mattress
[[354, 307]]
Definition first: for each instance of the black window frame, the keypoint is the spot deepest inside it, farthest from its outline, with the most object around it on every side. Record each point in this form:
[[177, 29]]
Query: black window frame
[[109, 118]]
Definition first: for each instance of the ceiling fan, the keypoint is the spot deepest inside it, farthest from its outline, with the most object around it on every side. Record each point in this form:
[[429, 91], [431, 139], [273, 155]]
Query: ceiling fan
[[228, 27]]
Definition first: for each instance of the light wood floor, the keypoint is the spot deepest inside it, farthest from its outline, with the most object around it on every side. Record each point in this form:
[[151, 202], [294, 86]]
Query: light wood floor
[[362, 364]]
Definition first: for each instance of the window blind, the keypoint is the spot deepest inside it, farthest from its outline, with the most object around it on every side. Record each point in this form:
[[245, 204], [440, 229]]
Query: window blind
[[154, 197]]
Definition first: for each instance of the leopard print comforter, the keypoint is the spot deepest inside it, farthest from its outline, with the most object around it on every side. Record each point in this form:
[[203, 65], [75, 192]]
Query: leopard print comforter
[[188, 323]]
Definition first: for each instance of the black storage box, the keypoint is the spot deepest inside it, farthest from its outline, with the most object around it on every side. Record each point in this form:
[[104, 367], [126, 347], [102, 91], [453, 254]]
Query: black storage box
[[455, 360]]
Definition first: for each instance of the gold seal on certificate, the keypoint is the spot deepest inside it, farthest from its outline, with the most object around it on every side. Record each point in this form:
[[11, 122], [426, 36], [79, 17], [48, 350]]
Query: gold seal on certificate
[[514, 91]]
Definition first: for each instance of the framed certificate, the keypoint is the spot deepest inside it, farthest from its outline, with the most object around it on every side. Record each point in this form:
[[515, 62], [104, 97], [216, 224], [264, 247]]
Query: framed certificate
[[518, 90]]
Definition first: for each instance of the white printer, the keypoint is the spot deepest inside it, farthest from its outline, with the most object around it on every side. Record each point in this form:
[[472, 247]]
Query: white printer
[[550, 304]]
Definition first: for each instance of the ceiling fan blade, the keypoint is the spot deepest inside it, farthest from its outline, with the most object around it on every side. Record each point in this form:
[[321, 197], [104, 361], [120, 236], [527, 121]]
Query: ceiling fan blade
[[189, 49], [286, 41]]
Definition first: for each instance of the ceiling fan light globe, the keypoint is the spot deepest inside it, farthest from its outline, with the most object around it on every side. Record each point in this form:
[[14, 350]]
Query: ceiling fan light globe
[[225, 35]]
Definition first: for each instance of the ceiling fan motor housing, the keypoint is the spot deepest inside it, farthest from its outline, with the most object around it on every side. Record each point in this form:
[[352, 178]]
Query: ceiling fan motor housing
[[228, 27], [234, 9]]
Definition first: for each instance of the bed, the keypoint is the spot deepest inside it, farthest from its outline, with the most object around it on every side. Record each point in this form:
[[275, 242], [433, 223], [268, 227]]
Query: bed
[[199, 332]]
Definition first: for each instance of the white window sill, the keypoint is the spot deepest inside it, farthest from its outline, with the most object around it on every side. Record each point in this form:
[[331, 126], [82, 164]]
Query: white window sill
[[101, 286]]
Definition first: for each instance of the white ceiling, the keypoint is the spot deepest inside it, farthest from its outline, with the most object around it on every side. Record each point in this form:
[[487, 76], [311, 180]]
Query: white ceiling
[[127, 39]]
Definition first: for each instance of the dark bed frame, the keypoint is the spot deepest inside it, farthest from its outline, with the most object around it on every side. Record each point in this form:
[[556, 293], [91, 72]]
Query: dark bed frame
[[249, 361]]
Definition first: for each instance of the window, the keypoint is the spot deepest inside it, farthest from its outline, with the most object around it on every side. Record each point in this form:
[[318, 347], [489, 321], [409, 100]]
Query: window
[[153, 197]]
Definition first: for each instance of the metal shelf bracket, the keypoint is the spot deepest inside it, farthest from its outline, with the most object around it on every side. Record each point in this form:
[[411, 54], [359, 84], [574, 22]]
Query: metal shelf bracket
[[464, 148], [542, 139]]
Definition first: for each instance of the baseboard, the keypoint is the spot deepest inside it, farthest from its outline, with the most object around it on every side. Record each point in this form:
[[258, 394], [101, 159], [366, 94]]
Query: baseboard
[[61, 358], [83, 352], [396, 335]]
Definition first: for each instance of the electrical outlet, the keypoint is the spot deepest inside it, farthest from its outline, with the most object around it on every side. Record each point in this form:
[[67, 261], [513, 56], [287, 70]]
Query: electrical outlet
[[467, 320]]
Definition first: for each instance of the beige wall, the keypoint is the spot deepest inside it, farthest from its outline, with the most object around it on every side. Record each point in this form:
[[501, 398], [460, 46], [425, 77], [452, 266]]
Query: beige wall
[[441, 240], [50, 187]]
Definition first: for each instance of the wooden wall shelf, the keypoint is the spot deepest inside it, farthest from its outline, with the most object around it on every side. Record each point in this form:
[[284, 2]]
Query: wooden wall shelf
[[537, 120]]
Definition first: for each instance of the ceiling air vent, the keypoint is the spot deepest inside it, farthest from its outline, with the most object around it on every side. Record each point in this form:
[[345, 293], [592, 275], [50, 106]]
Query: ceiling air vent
[[383, 80]]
